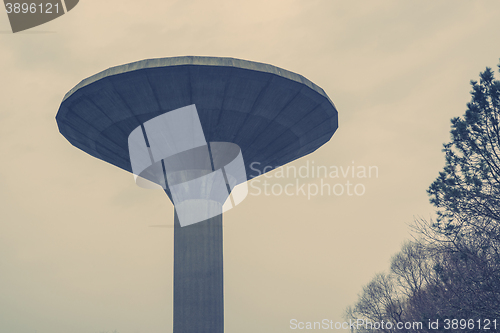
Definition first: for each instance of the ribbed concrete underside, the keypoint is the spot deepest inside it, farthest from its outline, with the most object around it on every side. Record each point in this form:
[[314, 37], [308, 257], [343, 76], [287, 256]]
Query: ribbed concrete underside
[[273, 115]]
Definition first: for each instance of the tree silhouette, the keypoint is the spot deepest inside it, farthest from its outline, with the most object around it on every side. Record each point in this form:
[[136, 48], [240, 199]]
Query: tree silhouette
[[452, 271]]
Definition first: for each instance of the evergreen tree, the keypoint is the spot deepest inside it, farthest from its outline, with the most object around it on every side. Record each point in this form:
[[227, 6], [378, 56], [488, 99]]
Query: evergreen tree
[[468, 189]]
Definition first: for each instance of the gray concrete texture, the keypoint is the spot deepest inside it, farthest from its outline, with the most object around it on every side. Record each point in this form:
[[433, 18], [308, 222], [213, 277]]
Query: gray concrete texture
[[198, 277]]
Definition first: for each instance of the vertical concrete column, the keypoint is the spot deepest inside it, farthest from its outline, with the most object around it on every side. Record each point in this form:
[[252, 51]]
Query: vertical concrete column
[[198, 277]]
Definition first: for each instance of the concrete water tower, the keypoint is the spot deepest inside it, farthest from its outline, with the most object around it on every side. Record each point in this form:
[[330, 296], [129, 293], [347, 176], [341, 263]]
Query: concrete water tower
[[194, 125]]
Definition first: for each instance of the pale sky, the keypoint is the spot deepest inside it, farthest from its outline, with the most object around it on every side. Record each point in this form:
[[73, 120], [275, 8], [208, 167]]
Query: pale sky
[[76, 250]]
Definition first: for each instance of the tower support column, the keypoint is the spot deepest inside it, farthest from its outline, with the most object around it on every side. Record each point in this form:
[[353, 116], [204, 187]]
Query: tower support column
[[198, 277]]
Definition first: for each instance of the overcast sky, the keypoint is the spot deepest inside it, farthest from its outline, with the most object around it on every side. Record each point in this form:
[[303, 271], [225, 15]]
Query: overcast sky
[[77, 253]]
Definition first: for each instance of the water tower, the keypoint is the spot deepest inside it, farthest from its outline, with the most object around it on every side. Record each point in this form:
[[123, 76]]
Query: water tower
[[272, 117]]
